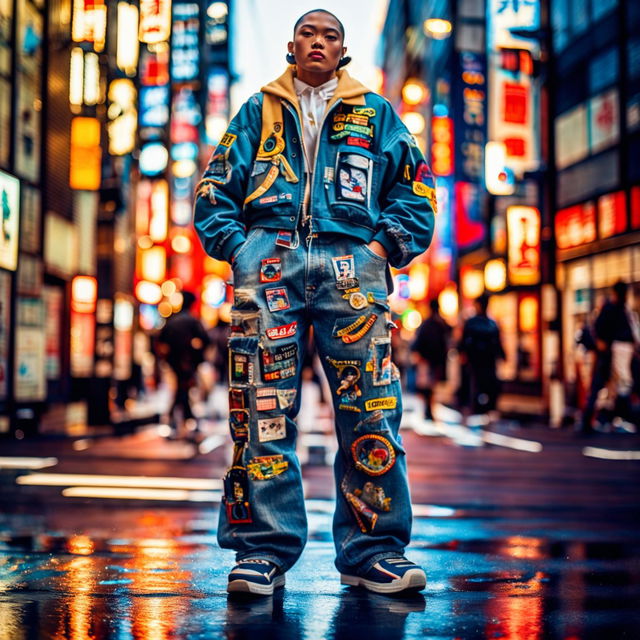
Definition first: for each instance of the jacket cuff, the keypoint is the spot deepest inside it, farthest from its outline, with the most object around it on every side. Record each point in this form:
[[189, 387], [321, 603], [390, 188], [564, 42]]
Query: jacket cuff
[[231, 244], [386, 242]]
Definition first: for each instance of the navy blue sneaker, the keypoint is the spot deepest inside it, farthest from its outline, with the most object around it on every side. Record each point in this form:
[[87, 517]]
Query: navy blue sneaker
[[390, 575], [256, 576]]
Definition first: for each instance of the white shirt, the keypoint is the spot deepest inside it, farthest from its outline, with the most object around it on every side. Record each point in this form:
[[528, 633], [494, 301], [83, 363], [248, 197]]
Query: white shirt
[[313, 103]]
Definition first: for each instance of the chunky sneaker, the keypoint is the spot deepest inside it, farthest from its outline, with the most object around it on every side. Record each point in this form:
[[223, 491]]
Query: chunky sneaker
[[255, 576], [390, 575]]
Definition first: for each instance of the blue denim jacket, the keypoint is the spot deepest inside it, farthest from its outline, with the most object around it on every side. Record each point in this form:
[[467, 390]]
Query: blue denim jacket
[[371, 181]]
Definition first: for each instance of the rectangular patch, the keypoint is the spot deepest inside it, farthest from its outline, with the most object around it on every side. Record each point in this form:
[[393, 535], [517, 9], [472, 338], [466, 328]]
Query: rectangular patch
[[344, 267], [279, 353], [389, 402], [348, 283], [356, 141], [237, 398], [285, 239], [354, 173], [288, 371], [228, 139], [239, 424], [283, 331], [379, 363], [277, 299], [266, 467], [266, 404], [240, 368], [268, 200], [270, 270], [272, 429], [286, 397]]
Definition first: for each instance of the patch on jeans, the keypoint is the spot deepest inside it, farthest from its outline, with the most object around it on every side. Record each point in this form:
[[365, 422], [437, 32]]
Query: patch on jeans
[[379, 363], [381, 403], [245, 323], [286, 397], [266, 467], [240, 368], [348, 283], [277, 299], [285, 239], [266, 398], [270, 270], [343, 326], [236, 495], [348, 373], [238, 398], [373, 454], [239, 424], [279, 362], [350, 338], [374, 496], [364, 515], [283, 331], [358, 300], [344, 267], [272, 429]]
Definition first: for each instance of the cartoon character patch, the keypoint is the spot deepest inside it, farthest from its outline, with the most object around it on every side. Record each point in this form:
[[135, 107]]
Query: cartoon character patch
[[373, 454]]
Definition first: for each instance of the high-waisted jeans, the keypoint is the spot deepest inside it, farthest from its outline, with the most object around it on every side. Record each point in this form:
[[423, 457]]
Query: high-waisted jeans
[[283, 287]]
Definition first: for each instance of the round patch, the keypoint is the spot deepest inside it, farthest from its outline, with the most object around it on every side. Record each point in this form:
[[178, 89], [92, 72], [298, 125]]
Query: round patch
[[373, 454], [358, 300]]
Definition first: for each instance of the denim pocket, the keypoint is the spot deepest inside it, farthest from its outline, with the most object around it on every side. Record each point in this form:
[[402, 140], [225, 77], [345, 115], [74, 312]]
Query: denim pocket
[[245, 245], [372, 254], [242, 360]]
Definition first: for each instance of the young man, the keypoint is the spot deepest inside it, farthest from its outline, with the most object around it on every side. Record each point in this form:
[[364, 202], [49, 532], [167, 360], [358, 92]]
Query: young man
[[315, 188]]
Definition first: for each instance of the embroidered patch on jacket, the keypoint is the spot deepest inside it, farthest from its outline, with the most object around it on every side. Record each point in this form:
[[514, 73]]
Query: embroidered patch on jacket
[[277, 299], [283, 331], [270, 270]]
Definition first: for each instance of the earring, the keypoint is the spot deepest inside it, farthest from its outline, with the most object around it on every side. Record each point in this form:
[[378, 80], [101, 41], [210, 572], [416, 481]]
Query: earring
[[291, 59], [344, 61]]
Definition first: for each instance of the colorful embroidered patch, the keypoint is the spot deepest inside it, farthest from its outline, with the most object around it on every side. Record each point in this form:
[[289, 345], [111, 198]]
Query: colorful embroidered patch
[[350, 338], [344, 267], [238, 398], [240, 368], [364, 111], [357, 141], [283, 331], [285, 239], [365, 517], [279, 363], [236, 495], [286, 397], [339, 331], [270, 270], [358, 300], [268, 200], [379, 363], [277, 299], [228, 139], [353, 177], [374, 496], [381, 403], [239, 424], [347, 283], [266, 467], [272, 429], [268, 403], [373, 454]]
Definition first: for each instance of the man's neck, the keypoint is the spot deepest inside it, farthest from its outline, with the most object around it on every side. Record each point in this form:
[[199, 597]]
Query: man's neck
[[314, 79]]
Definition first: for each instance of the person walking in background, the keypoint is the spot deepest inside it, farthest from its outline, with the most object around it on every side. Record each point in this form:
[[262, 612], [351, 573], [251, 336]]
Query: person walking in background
[[314, 190], [182, 343], [480, 348], [617, 334], [431, 346]]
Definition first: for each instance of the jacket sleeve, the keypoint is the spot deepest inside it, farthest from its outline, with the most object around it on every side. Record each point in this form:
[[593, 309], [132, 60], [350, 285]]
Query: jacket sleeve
[[219, 199], [407, 199]]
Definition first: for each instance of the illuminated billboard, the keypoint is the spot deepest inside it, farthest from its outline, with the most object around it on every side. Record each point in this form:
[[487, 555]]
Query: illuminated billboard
[[10, 220]]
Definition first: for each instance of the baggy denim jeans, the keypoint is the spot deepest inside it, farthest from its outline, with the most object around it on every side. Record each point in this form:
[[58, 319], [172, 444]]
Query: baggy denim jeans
[[282, 288]]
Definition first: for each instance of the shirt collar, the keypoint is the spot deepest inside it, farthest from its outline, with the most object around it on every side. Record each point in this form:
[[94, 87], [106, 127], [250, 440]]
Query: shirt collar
[[325, 91]]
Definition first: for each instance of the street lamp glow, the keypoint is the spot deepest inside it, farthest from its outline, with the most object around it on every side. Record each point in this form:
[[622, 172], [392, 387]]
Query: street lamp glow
[[437, 28], [495, 275], [414, 121], [414, 92]]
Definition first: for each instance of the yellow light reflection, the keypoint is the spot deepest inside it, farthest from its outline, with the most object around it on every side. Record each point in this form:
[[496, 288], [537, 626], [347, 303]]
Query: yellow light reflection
[[80, 545], [437, 28], [94, 480]]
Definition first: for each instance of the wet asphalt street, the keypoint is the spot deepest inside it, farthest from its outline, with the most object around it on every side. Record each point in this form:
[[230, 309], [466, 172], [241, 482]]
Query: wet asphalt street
[[517, 544]]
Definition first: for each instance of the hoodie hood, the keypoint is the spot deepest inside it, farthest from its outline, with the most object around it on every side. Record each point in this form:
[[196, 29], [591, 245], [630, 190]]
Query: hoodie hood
[[349, 90]]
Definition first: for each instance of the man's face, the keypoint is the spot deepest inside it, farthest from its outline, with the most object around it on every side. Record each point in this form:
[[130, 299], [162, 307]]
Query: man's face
[[317, 44]]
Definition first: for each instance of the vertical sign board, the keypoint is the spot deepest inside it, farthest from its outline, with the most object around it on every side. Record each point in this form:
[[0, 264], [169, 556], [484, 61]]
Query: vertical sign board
[[514, 96], [471, 116], [9, 220], [523, 231], [5, 325], [29, 374]]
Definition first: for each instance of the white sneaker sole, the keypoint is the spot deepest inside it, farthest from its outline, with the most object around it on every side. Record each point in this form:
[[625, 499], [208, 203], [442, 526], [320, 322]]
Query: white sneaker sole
[[413, 580], [244, 586]]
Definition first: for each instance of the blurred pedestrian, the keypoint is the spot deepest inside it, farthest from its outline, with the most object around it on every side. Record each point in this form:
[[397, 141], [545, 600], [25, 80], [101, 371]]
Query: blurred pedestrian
[[182, 343], [480, 348], [431, 346], [617, 333], [314, 190]]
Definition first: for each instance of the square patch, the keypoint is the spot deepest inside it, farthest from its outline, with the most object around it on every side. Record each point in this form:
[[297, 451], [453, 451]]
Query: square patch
[[277, 299], [272, 429], [344, 267], [270, 270]]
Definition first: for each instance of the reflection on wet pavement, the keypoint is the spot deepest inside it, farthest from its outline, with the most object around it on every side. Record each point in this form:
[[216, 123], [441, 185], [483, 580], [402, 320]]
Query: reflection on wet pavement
[[160, 576]]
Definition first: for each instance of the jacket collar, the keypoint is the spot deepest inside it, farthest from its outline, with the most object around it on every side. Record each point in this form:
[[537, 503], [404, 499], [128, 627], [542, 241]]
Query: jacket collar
[[349, 90]]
